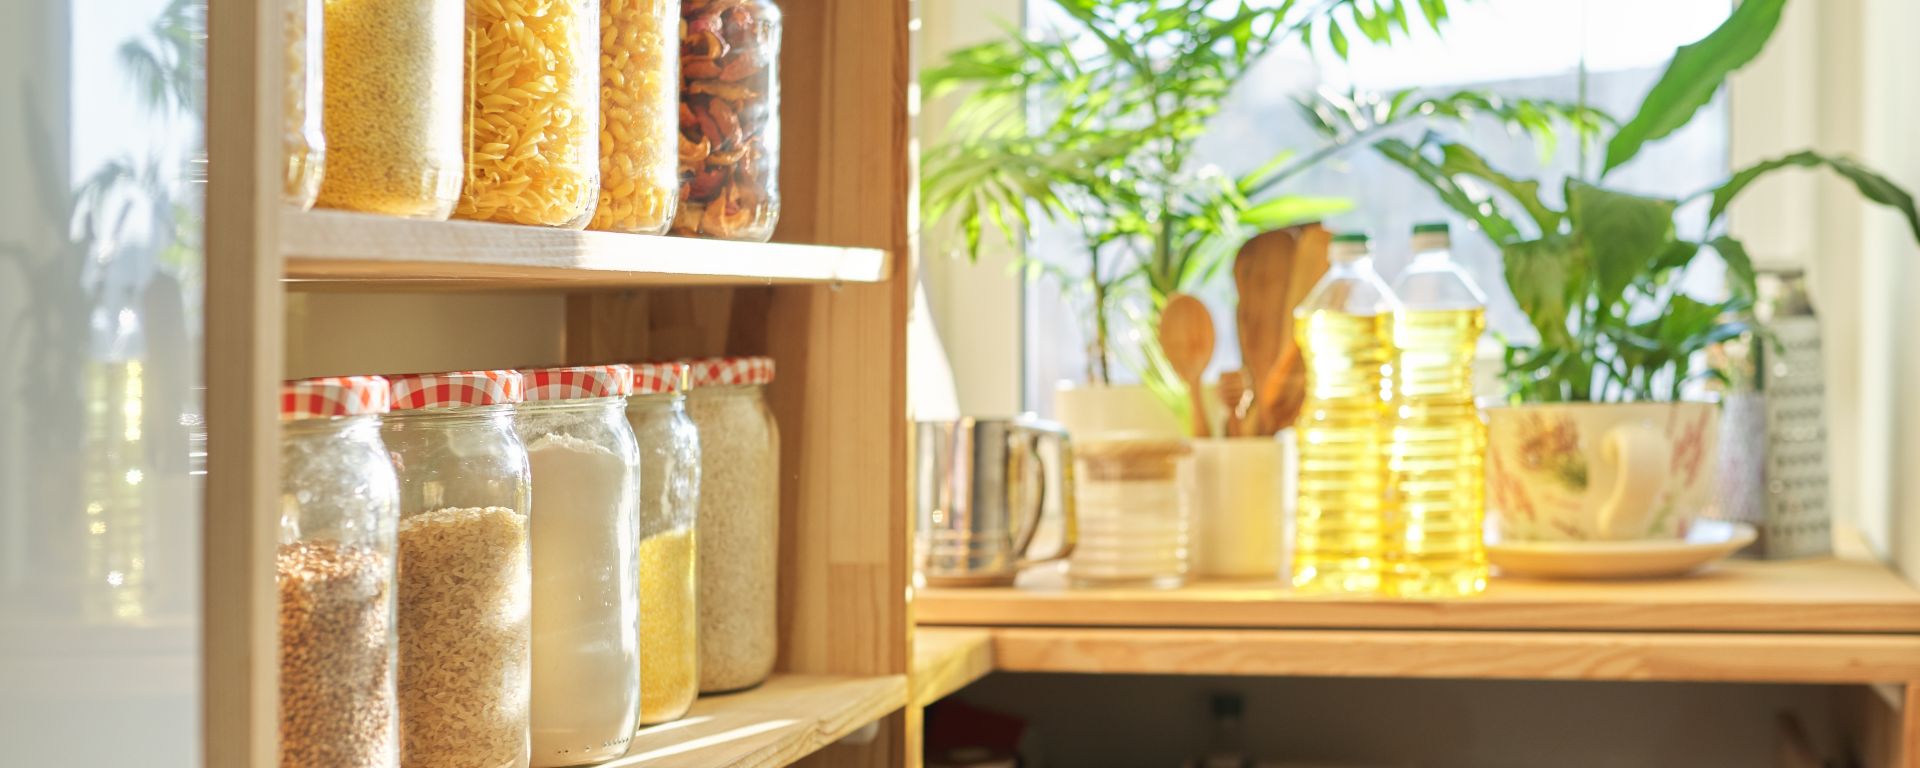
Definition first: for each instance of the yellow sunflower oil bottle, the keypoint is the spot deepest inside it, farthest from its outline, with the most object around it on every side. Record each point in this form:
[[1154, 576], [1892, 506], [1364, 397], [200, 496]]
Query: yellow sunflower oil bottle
[[1436, 489], [1342, 328]]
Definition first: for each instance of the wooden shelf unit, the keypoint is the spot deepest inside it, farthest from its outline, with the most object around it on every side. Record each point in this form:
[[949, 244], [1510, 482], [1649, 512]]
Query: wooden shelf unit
[[831, 312], [1821, 621], [334, 250]]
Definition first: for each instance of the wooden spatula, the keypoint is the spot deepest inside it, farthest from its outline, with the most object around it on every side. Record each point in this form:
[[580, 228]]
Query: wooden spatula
[[1186, 335], [1283, 389], [1260, 274]]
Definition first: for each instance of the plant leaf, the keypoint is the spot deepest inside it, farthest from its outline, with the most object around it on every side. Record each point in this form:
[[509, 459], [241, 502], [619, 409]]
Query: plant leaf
[[1288, 210], [1740, 274], [1543, 276], [1458, 159], [1696, 72], [1624, 234], [1872, 186]]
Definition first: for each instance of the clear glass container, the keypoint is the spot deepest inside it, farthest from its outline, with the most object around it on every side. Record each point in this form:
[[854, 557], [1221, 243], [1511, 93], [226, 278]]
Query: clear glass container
[[465, 579], [335, 569], [306, 147], [669, 499], [393, 101], [586, 610], [739, 521], [729, 120], [639, 116], [533, 112], [1132, 502]]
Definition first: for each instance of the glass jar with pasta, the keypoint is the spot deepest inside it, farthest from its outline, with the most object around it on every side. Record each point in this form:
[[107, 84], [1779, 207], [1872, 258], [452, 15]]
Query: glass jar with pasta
[[392, 103], [639, 99], [306, 146], [729, 119], [533, 126]]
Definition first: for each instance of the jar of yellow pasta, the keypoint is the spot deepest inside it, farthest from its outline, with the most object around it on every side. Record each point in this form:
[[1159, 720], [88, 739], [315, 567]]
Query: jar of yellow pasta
[[639, 117], [533, 125], [729, 119], [306, 147], [393, 99]]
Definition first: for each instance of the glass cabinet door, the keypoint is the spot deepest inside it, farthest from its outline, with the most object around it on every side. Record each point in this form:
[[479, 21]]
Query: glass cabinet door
[[101, 450]]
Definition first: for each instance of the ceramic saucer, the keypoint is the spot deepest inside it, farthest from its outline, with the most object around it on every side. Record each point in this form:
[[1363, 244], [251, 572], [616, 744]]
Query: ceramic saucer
[[1707, 542]]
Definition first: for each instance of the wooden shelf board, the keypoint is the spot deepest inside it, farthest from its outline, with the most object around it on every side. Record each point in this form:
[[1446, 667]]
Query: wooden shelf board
[[1831, 595], [1703, 657], [948, 659], [775, 724], [351, 251]]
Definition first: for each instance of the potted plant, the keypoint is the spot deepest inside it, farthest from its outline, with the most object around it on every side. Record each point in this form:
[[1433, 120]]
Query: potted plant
[[1598, 443], [1095, 126]]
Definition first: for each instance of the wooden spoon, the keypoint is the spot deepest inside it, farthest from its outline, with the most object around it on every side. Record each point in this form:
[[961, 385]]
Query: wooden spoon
[[1186, 335], [1260, 274]]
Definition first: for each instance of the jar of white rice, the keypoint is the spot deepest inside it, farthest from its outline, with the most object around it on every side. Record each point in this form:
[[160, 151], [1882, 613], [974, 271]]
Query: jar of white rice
[[739, 520]]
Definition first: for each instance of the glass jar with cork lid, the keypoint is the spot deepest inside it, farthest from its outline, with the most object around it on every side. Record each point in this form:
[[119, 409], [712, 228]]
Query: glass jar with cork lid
[[669, 499], [739, 520], [586, 490], [335, 572], [465, 586]]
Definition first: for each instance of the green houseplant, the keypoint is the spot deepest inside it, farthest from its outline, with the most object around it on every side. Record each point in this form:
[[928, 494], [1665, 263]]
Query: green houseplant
[[1598, 273], [1096, 126]]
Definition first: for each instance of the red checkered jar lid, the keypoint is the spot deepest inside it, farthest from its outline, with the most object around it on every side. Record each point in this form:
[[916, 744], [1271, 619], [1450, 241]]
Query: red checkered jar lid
[[658, 378], [456, 389], [731, 371], [578, 382], [334, 397]]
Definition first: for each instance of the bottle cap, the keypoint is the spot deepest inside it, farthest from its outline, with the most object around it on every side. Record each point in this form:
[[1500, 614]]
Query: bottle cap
[[1430, 227], [1347, 246], [1351, 237]]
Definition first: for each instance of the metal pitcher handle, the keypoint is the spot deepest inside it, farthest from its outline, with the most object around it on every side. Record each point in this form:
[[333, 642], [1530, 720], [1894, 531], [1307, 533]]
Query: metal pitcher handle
[[1034, 435]]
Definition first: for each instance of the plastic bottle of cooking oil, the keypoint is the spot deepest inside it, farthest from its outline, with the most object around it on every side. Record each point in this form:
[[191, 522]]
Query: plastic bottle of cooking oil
[[1342, 328], [1436, 492]]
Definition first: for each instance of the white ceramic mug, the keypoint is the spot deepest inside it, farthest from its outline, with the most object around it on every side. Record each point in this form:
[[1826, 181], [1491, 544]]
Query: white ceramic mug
[[1600, 471]]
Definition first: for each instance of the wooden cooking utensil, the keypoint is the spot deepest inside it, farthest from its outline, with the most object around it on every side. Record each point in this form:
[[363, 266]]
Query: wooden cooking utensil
[[1237, 401], [1260, 273], [1281, 398], [1186, 336]]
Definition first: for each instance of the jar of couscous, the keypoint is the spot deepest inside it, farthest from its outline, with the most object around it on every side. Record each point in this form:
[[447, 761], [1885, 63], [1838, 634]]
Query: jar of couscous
[[305, 145], [639, 117], [669, 499], [533, 106], [729, 119], [393, 100], [738, 520], [465, 584], [335, 572]]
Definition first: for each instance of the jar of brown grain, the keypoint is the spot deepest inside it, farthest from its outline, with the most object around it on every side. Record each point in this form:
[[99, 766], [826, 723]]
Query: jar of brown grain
[[335, 572]]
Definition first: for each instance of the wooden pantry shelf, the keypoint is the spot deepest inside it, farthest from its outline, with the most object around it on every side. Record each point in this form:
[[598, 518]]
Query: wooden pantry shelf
[[353, 251], [946, 659], [1830, 595], [775, 724], [1622, 656]]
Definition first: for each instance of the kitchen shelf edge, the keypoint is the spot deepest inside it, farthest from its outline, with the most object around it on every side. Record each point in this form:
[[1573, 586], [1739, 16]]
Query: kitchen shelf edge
[[354, 251], [775, 724]]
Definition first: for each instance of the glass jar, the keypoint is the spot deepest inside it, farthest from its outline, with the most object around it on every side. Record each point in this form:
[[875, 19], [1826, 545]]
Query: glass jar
[[533, 125], [1133, 511], [669, 499], [586, 610], [729, 120], [639, 117], [739, 520], [465, 582], [393, 102], [306, 147], [335, 571]]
